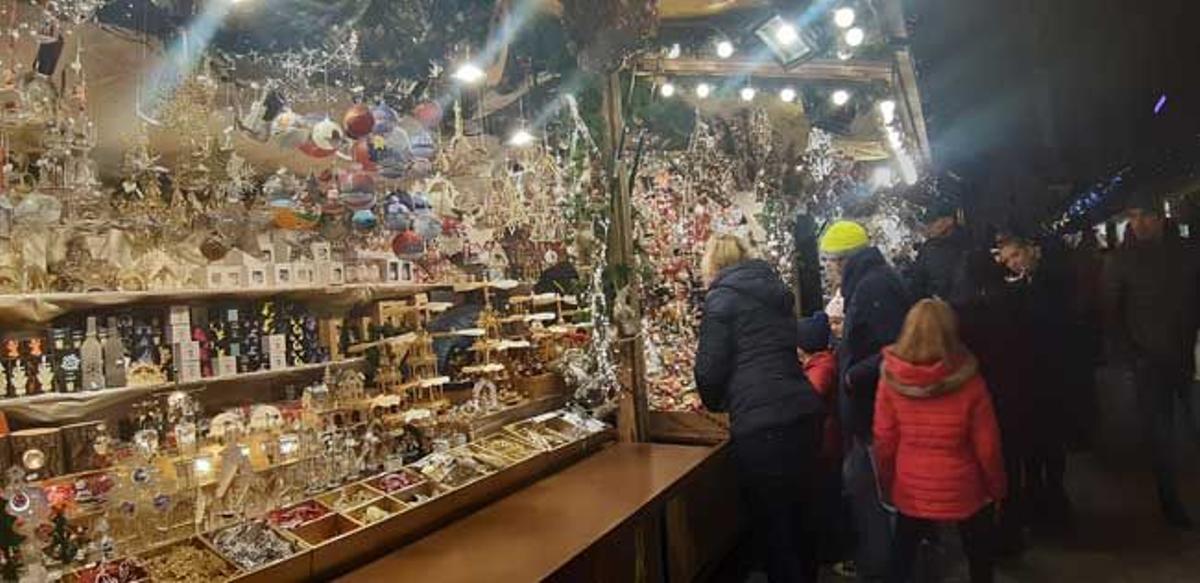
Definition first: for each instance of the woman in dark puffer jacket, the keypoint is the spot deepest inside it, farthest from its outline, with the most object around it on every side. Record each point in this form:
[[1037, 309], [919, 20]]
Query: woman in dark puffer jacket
[[937, 445], [746, 365]]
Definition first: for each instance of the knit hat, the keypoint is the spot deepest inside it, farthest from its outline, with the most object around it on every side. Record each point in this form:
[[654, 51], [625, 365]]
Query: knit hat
[[812, 333], [843, 238]]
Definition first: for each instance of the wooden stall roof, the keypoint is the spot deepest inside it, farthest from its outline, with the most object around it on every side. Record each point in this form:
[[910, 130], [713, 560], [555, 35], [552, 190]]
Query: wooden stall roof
[[533, 533]]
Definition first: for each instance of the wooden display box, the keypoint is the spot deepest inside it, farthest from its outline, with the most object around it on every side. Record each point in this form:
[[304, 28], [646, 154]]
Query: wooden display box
[[686, 428], [544, 385], [231, 570], [351, 492], [297, 567]]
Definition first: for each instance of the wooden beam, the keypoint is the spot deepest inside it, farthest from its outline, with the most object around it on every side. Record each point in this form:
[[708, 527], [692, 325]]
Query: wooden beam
[[818, 70], [632, 412]]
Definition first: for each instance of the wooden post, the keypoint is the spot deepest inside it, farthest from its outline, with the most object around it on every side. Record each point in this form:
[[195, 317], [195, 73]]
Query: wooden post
[[632, 412]]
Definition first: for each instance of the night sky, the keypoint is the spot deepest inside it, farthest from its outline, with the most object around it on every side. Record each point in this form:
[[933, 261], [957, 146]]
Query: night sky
[[1024, 93]]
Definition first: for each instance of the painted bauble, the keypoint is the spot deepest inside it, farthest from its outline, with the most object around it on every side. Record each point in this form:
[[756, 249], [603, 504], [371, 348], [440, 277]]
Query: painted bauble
[[428, 113], [358, 200], [358, 121], [364, 219], [420, 140], [385, 118], [327, 134], [427, 225], [408, 243], [355, 181], [312, 149], [364, 154]]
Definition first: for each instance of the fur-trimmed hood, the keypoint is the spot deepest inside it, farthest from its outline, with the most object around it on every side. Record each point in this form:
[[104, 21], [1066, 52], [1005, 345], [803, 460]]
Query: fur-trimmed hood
[[925, 381]]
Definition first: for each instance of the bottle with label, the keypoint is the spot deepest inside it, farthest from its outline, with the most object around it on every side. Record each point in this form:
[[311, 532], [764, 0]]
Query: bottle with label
[[66, 360], [114, 356], [91, 354]]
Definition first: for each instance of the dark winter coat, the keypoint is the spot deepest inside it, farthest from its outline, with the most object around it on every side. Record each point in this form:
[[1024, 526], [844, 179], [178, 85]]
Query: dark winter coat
[[937, 445], [877, 302], [1152, 293], [746, 361], [939, 263]]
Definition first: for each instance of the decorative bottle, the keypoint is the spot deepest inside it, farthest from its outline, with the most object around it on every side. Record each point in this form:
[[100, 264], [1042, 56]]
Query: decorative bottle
[[114, 356], [91, 354]]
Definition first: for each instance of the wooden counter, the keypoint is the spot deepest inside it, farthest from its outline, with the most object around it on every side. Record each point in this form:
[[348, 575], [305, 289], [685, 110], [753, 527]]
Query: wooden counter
[[537, 532]]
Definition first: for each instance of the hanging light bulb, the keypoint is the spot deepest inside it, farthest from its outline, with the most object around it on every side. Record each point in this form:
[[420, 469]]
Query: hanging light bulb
[[521, 138], [703, 90], [844, 17], [667, 89], [887, 110], [840, 97], [855, 37], [674, 51], [787, 94], [724, 49], [748, 93], [469, 73]]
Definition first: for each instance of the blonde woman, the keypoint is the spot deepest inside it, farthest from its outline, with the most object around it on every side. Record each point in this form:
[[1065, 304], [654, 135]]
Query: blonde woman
[[746, 365], [937, 444]]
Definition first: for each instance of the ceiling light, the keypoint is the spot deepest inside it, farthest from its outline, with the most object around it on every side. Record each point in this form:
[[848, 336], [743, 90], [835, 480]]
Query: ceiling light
[[667, 89], [887, 110], [844, 17], [674, 51], [724, 49], [748, 93], [469, 73], [840, 97], [521, 138], [789, 43], [787, 35], [703, 90], [787, 94], [855, 37]]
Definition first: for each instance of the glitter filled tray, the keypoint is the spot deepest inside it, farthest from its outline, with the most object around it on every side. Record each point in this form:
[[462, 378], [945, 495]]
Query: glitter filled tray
[[188, 561], [348, 497]]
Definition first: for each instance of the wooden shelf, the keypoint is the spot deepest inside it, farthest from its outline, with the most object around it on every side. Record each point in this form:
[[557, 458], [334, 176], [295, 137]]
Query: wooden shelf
[[29, 309], [58, 408]]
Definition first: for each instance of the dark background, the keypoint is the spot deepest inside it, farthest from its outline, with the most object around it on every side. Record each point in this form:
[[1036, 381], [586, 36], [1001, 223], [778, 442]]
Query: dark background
[[1033, 100]]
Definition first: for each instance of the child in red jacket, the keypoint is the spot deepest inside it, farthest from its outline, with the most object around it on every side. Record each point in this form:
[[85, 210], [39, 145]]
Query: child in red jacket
[[820, 366], [937, 445]]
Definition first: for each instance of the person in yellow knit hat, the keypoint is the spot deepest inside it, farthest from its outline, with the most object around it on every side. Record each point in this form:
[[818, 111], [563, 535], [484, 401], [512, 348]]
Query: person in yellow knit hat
[[876, 302]]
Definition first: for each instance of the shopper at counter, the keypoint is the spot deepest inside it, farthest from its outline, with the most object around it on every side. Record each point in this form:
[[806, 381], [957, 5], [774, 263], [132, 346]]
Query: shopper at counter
[[876, 300], [746, 364]]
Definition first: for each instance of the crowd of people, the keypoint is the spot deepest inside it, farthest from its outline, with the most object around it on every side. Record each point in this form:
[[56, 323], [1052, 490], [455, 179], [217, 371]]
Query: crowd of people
[[949, 393]]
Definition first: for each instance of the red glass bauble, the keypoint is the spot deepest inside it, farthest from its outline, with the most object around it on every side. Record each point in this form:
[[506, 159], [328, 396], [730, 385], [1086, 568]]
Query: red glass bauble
[[407, 243], [358, 121], [428, 113]]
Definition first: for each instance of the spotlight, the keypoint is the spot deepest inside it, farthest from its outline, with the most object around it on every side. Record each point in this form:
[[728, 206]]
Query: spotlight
[[787, 35], [843, 17], [882, 177], [521, 138], [748, 93], [840, 97], [469, 73], [724, 49], [887, 110], [703, 90], [674, 51], [789, 44], [855, 37], [788, 95], [667, 89]]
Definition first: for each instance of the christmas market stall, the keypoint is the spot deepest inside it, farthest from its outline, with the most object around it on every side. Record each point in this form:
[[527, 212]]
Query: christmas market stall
[[281, 290]]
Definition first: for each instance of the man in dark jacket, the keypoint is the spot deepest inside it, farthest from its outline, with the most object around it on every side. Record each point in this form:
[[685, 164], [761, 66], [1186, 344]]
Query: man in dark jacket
[[877, 302], [940, 260], [746, 364], [1152, 294]]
